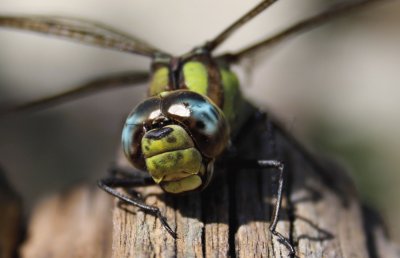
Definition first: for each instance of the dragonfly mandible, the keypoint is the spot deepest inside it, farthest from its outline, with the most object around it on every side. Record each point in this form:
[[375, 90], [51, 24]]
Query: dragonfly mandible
[[194, 111]]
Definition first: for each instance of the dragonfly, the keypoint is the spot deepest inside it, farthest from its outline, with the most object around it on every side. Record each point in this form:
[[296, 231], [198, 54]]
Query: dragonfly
[[187, 127]]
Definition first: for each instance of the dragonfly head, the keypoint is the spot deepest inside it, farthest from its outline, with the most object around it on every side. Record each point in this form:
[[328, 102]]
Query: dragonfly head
[[176, 137]]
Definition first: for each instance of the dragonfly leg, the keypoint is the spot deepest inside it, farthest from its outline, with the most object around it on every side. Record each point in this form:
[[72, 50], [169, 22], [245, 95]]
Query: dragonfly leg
[[248, 163], [277, 206], [115, 170], [110, 183]]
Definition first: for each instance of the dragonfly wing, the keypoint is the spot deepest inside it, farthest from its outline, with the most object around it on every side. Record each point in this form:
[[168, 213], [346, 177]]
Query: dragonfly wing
[[81, 30], [225, 34], [94, 86], [334, 12]]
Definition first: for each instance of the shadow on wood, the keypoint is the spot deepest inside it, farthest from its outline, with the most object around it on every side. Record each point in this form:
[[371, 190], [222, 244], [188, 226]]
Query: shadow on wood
[[321, 215]]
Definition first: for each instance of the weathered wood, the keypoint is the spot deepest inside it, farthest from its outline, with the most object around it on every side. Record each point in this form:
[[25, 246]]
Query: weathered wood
[[321, 216], [76, 223], [10, 219]]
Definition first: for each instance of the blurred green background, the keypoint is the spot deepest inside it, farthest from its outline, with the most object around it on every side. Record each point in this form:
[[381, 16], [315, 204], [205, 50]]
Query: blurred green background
[[336, 88]]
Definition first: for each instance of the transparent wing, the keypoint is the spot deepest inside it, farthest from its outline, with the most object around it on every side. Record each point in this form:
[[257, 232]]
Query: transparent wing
[[80, 30], [214, 43], [108, 82], [335, 12]]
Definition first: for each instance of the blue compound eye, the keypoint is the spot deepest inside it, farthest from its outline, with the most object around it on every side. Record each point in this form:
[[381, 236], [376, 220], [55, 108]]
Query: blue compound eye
[[141, 116], [202, 118]]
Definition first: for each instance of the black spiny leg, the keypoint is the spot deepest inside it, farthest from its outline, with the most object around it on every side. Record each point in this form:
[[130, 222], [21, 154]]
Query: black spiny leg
[[277, 206], [115, 170], [110, 183], [124, 172]]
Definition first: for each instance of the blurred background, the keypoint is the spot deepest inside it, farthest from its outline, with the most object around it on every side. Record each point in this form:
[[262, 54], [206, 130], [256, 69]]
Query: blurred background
[[336, 88]]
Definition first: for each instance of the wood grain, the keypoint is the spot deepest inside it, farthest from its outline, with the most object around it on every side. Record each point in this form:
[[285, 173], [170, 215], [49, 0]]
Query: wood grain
[[76, 223], [321, 215]]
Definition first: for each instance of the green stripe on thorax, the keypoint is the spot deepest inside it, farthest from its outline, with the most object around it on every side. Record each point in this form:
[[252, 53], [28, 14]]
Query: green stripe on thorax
[[236, 108], [160, 79], [159, 82], [201, 74], [195, 77]]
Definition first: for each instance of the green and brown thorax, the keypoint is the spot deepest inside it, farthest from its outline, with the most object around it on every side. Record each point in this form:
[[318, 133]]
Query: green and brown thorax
[[203, 75]]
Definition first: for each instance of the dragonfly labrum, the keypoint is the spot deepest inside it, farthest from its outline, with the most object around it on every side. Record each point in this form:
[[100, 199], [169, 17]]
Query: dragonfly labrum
[[188, 125]]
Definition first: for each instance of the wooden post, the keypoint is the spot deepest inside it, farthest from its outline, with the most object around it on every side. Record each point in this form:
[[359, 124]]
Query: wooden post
[[76, 223], [321, 215], [10, 219]]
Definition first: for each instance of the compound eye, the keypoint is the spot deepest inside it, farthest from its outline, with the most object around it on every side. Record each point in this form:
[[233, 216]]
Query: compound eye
[[140, 117], [202, 118]]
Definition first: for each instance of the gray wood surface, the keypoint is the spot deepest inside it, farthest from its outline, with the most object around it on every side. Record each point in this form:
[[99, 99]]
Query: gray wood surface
[[76, 223], [321, 215]]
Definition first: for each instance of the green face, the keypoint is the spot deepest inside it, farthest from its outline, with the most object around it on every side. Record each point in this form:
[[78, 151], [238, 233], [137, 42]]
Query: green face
[[172, 159], [176, 137]]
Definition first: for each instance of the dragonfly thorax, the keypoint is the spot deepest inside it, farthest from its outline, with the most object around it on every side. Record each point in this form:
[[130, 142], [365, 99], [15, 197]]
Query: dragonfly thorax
[[200, 73]]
